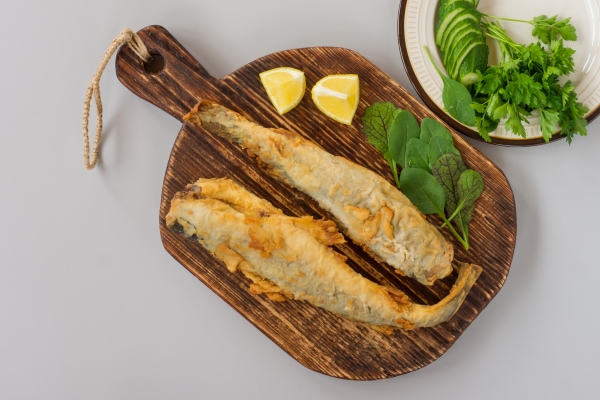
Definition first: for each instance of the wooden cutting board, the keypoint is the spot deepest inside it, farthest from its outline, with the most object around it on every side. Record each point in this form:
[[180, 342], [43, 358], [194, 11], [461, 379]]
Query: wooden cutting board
[[316, 338]]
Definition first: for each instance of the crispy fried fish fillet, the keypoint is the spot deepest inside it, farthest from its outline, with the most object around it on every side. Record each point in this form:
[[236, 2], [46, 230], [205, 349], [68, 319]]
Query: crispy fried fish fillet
[[288, 258], [368, 209]]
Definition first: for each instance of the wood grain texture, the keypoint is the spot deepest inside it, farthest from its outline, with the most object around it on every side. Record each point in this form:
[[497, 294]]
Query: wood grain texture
[[316, 338]]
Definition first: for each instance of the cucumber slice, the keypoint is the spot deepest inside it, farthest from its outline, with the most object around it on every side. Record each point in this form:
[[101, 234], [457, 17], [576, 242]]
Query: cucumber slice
[[476, 60], [453, 72], [453, 18], [457, 51], [451, 57], [461, 40], [444, 10], [457, 36], [469, 78], [446, 3], [456, 33]]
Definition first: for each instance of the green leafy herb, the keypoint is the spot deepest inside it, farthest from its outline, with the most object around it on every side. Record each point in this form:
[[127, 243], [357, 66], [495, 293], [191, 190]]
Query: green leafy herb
[[423, 191], [457, 101], [456, 97], [469, 189], [377, 121], [434, 176], [428, 195], [438, 146], [417, 154], [430, 128], [462, 188], [548, 121], [446, 170], [404, 128], [527, 79], [547, 29]]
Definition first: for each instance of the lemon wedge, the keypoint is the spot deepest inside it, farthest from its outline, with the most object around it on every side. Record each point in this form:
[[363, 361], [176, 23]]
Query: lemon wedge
[[337, 96], [285, 87]]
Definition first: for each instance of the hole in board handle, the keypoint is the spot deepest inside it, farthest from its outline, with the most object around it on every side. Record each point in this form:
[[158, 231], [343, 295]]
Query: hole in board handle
[[155, 64]]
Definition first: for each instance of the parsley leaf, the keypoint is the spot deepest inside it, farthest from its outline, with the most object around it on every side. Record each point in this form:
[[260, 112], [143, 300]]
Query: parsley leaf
[[548, 122], [549, 29], [446, 170]]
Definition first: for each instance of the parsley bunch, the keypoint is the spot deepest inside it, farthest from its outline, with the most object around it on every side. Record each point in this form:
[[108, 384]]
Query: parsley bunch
[[527, 78]]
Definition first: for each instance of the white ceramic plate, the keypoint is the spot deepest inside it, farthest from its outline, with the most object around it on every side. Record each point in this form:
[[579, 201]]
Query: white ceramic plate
[[416, 24]]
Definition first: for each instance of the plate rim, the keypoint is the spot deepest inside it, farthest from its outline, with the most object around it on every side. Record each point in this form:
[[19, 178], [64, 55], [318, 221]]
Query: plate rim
[[457, 126]]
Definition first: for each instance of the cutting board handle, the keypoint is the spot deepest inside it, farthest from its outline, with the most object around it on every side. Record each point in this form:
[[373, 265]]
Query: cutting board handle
[[176, 86]]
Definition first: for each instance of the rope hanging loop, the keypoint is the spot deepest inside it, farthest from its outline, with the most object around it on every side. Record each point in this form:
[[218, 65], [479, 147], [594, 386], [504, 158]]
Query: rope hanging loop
[[129, 37]]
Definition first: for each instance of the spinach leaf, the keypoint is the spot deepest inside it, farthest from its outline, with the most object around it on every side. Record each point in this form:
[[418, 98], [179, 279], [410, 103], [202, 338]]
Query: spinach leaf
[[404, 128], [462, 188], [457, 101], [431, 127], [447, 170], [377, 121], [438, 146], [423, 191], [456, 97], [468, 190], [417, 154]]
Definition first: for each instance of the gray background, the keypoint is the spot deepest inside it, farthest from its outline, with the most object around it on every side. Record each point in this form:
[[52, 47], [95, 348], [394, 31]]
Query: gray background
[[93, 307]]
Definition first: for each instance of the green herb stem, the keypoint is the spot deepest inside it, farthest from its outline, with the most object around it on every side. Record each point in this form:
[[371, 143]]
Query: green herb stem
[[463, 241], [395, 173], [509, 48], [432, 62], [506, 19]]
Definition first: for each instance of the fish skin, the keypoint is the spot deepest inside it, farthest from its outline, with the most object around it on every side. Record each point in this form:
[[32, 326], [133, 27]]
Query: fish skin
[[366, 207], [287, 260]]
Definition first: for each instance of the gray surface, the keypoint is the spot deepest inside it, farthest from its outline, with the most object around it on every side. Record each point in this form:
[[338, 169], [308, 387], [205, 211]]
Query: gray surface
[[92, 307]]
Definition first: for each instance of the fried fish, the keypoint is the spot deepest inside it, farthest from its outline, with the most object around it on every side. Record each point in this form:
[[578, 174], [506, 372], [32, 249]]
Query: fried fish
[[289, 258], [367, 208]]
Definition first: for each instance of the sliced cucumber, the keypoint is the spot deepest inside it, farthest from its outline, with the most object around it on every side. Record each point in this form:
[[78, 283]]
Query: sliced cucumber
[[444, 10], [447, 13], [469, 78], [460, 39], [452, 20], [455, 33], [458, 52], [446, 3], [456, 40], [453, 71], [476, 60]]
